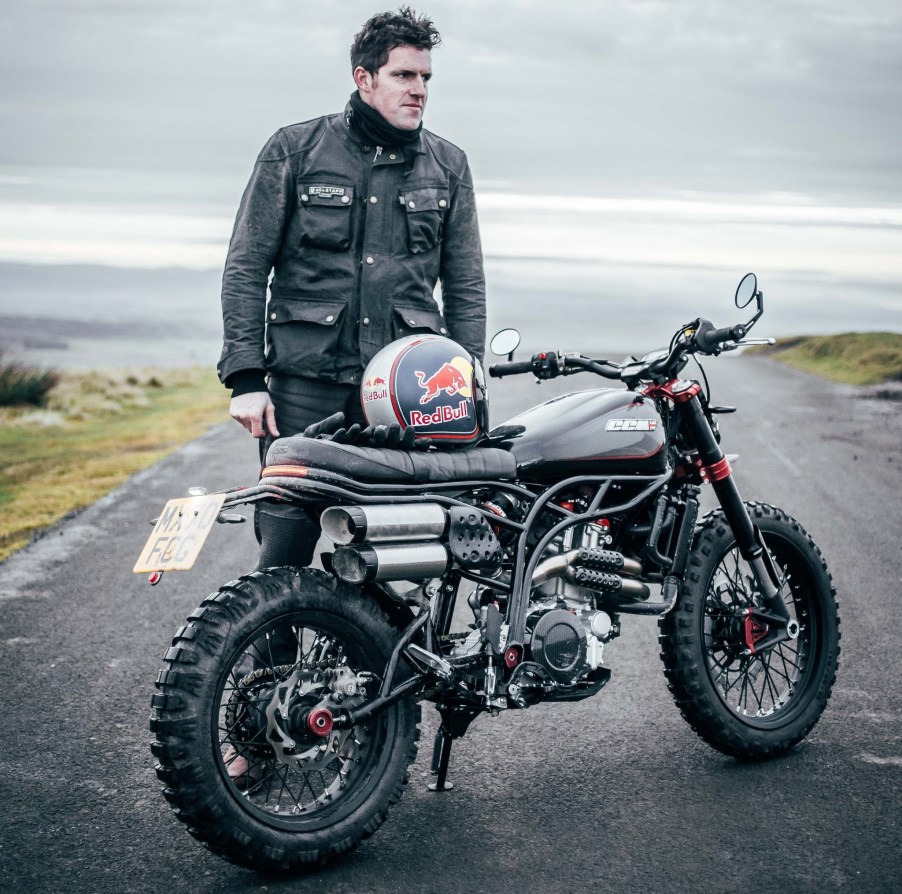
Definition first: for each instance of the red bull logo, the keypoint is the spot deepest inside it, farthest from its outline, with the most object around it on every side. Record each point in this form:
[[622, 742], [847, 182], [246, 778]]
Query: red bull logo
[[441, 414], [453, 377], [374, 389]]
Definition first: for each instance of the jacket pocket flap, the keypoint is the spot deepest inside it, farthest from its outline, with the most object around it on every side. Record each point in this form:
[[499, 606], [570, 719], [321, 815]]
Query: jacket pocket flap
[[326, 313], [426, 198], [321, 195], [420, 318]]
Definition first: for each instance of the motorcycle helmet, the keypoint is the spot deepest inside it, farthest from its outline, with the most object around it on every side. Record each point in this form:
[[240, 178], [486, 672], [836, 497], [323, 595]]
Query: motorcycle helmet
[[428, 383]]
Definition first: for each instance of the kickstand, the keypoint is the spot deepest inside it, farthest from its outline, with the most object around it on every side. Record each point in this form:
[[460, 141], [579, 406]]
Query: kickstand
[[441, 755], [455, 720]]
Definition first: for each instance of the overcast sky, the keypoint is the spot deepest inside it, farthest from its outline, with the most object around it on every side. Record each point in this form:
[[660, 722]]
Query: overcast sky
[[649, 134], [595, 98]]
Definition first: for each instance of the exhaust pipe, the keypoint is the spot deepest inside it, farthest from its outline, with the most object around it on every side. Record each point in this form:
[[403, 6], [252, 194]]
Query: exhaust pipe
[[393, 561], [384, 523]]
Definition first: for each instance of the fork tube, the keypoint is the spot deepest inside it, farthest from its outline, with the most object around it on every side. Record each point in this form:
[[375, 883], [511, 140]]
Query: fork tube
[[716, 470]]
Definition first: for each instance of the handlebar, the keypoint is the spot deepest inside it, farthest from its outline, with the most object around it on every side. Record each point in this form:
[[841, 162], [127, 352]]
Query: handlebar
[[700, 336], [551, 364]]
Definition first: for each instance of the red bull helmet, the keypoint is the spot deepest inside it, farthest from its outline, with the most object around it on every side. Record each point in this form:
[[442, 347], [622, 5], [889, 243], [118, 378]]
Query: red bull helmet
[[428, 383]]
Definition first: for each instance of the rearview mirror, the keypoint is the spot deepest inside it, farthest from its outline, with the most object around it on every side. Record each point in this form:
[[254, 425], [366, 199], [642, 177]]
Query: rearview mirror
[[746, 290], [504, 342]]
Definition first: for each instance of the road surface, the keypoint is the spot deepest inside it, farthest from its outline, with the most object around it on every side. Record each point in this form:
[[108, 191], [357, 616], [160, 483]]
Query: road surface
[[614, 793]]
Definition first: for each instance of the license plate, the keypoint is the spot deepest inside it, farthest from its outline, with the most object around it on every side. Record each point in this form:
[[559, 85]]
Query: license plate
[[179, 534]]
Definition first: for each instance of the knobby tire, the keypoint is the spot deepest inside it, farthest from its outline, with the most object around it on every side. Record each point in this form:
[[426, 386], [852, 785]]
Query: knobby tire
[[751, 707], [219, 677]]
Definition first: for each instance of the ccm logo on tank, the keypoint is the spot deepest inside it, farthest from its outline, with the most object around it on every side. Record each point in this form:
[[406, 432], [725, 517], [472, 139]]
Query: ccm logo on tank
[[631, 425]]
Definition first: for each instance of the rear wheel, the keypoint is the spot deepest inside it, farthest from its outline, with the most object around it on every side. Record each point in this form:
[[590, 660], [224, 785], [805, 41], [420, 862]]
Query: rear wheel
[[245, 744], [751, 702]]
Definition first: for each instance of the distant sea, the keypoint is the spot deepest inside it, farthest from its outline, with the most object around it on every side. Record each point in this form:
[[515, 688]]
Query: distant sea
[[89, 278], [83, 317]]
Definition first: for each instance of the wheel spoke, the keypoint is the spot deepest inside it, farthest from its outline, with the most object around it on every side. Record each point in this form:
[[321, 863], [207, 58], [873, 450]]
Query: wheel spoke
[[759, 685], [287, 780]]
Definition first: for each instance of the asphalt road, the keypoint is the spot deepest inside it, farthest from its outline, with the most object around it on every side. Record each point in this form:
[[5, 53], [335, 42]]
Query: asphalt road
[[614, 793]]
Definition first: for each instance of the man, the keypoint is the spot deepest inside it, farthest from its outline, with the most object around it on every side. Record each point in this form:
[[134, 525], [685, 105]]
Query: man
[[357, 216]]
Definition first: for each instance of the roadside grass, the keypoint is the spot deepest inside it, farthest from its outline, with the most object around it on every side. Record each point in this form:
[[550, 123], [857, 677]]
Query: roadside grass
[[95, 431], [22, 386], [856, 358]]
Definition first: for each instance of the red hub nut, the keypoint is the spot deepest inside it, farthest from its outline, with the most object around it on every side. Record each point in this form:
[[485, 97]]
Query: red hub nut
[[319, 721]]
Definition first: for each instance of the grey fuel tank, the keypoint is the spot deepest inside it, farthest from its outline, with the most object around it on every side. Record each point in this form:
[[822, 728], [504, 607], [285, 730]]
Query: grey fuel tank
[[606, 432]]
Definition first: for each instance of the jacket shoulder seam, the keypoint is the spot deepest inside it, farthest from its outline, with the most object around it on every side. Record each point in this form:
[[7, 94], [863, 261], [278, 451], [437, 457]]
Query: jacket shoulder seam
[[289, 133]]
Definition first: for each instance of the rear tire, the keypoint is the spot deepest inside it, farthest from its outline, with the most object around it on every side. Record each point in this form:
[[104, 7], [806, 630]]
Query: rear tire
[[751, 706], [288, 638]]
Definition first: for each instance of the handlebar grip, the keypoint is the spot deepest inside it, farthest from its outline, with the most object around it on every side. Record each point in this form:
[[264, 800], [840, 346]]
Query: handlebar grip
[[710, 340], [511, 368]]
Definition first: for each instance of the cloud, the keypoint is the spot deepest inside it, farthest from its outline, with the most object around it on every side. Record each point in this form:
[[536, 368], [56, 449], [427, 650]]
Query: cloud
[[594, 96]]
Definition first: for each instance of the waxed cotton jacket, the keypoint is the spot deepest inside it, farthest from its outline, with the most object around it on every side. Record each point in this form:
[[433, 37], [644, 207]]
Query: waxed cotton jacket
[[356, 238]]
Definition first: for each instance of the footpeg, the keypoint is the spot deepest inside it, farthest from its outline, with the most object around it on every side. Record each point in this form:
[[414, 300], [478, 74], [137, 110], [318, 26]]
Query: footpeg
[[435, 663]]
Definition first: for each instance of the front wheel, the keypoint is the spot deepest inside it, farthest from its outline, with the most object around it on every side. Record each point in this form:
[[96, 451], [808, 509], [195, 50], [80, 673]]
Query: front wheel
[[744, 702], [244, 739]]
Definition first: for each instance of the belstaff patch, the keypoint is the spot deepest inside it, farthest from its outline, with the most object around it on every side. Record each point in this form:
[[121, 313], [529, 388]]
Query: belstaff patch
[[326, 191]]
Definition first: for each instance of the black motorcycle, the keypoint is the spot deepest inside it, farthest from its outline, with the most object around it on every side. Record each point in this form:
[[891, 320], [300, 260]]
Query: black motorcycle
[[286, 715]]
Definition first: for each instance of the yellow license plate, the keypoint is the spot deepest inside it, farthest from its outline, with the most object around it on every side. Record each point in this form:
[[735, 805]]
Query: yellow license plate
[[179, 534]]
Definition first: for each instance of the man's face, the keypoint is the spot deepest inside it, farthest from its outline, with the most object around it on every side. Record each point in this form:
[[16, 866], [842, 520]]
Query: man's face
[[398, 90]]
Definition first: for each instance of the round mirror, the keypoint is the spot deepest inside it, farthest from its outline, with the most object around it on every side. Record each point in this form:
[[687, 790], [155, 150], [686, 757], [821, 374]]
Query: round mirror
[[505, 342], [746, 290]]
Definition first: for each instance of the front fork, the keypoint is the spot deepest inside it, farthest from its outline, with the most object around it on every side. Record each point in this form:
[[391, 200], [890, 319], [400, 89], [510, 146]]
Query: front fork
[[765, 627]]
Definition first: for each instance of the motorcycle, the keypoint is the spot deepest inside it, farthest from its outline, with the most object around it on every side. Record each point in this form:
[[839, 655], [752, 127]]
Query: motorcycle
[[286, 714]]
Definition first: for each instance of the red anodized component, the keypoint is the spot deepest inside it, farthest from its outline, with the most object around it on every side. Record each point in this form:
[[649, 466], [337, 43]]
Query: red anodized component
[[512, 657], [678, 390], [319, 721], [717, 472], [755, 631]]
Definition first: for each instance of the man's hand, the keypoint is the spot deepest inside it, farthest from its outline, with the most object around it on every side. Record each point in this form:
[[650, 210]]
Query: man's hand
[[255, 411]]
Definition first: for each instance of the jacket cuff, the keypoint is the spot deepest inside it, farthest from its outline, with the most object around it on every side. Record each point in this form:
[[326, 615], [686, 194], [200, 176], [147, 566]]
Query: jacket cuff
[[246, 381]]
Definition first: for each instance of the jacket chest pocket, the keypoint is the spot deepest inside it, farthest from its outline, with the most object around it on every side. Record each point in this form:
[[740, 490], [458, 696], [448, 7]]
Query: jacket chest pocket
[[425, 209], [325, 216]]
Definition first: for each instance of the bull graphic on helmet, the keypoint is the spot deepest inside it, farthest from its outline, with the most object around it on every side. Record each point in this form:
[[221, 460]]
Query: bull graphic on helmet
[[454, 377]]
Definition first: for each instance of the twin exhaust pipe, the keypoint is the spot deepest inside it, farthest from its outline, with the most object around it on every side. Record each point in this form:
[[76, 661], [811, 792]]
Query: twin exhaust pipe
[[385, 542]]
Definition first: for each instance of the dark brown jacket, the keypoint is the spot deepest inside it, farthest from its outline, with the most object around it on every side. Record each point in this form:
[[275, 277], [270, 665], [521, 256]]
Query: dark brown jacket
[[357, 238]]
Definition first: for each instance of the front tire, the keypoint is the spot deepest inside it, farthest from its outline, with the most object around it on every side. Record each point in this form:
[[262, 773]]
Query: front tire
[[246, 684], [751, 706]]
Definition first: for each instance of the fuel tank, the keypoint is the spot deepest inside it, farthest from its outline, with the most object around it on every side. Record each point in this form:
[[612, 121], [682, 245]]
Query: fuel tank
[[601, 432]]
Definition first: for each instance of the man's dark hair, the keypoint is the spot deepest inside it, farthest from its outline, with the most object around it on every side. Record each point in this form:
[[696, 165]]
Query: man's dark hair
[[387, 30]]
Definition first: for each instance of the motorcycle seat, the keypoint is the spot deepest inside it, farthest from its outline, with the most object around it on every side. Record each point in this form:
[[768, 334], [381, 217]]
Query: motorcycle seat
[[380, 464]]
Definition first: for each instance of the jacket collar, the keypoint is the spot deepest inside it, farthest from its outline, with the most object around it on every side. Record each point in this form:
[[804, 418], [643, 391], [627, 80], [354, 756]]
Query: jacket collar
[[345, 126]]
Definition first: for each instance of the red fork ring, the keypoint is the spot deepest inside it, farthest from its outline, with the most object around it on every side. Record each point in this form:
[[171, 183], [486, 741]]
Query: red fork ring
[[319, 721]]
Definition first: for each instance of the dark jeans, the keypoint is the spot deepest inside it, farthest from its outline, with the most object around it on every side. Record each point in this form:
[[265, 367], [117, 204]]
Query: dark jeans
[[288, 535]]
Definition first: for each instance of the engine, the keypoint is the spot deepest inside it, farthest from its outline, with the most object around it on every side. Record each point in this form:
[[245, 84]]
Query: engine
[[576, 586], [567, 629]]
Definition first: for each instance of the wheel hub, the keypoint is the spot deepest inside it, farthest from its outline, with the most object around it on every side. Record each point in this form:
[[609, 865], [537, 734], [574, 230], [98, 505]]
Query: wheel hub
[[299, 716]]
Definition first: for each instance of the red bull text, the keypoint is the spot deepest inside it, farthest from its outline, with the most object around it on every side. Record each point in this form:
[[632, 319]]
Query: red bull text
[[442, 414]]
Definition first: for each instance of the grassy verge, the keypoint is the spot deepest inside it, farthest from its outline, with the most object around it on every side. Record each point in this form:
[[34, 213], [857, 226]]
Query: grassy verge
[[97, 429], [856, 358]]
